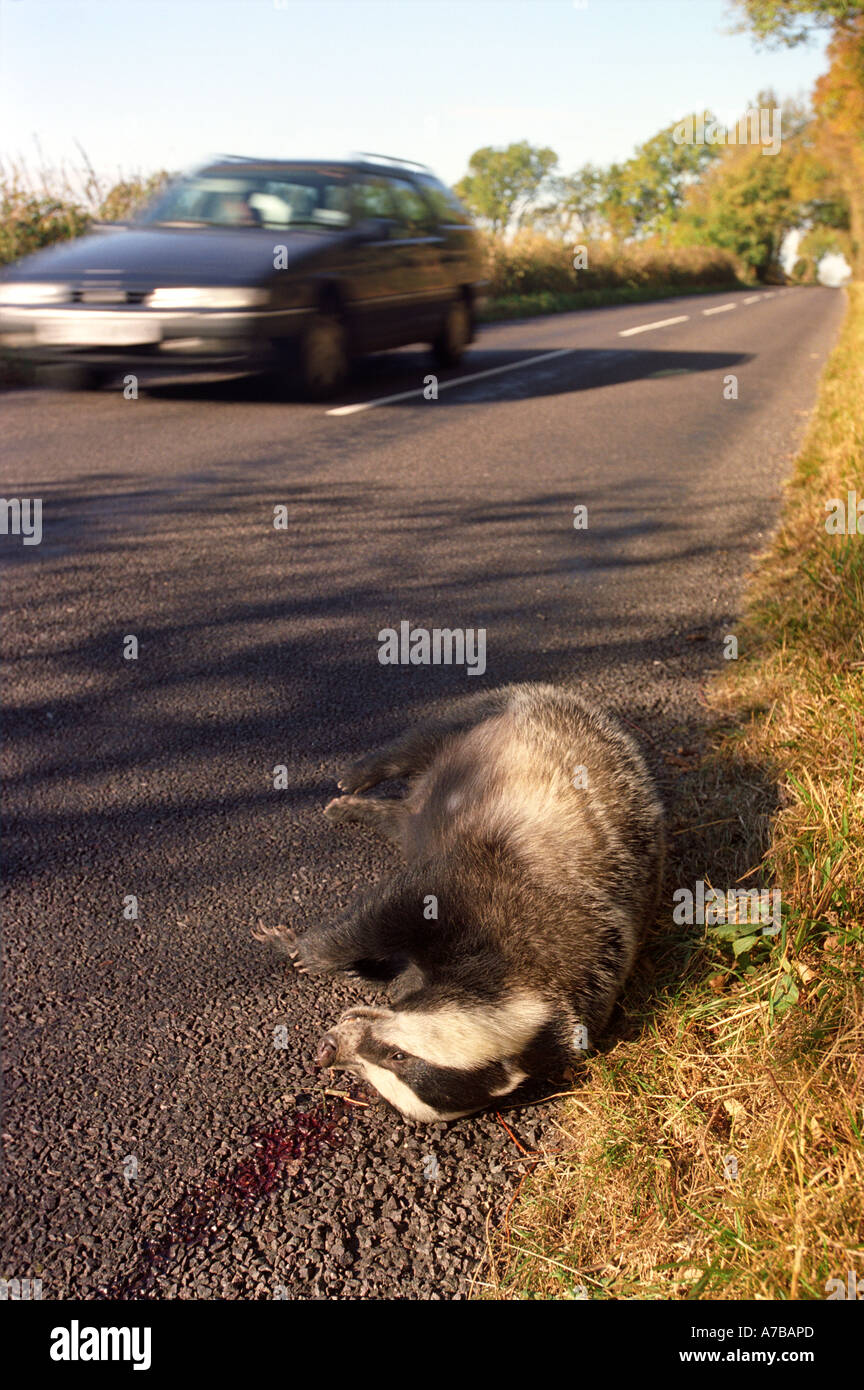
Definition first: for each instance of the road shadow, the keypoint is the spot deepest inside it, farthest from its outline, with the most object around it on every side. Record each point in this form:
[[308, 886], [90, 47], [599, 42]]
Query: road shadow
[[581, 369], [188, 734]]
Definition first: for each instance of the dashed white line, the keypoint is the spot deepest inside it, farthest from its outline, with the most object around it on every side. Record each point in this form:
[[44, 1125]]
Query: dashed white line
[[646, 327], [752, 299], [457, 381], [527, 361]]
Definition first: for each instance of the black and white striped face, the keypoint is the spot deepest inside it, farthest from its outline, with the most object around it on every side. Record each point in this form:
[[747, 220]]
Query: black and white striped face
[[441, 1063]]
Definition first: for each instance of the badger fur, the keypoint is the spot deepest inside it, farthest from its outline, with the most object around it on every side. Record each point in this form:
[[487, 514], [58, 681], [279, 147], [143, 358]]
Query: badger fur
[[533, 842]]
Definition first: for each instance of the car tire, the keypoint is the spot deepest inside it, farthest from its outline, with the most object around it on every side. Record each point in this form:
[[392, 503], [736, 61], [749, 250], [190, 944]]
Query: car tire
[[94, 378], [323, 356], [449, 347], [75, 377]]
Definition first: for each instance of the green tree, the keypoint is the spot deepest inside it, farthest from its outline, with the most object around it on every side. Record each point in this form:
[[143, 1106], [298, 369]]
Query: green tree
[[839, 96], [742, 204], [643, 195], [502, 186], [790, 22], [574, 203]]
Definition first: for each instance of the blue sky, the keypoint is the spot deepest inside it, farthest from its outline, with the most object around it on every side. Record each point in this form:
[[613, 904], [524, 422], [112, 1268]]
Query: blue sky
[[144, 84]]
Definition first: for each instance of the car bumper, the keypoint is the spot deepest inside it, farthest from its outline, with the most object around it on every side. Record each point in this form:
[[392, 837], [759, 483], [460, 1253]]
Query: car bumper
[[133, 337]]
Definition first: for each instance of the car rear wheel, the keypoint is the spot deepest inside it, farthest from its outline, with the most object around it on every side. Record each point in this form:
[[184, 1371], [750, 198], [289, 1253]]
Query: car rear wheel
[[324, 357], [449, 347]]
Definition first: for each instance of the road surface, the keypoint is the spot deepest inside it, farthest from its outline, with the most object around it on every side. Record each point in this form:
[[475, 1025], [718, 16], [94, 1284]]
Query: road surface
[[165, 1132]]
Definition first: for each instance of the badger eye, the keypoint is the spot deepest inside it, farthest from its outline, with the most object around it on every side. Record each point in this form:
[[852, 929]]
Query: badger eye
[[397, 1057]]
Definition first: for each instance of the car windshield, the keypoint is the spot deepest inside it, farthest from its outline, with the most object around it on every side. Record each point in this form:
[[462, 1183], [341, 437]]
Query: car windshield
[[295, 198]]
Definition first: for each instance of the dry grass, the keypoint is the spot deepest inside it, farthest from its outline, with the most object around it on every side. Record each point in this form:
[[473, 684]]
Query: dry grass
[[754, 1060], [531, 264], [42, 206]]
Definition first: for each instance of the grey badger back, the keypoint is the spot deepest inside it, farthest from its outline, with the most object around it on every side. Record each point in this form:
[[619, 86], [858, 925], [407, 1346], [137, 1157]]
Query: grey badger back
[[533, 842]]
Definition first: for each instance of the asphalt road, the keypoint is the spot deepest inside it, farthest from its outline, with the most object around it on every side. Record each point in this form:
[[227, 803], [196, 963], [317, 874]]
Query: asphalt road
[[161, 1139]]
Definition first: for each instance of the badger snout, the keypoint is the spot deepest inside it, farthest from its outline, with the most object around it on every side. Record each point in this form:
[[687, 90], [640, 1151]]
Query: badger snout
[[338, 1047], [327, 1050]]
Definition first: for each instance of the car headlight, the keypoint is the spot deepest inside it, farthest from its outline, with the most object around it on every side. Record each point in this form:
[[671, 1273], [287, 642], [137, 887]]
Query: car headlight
[[206, 297], [32, 292]]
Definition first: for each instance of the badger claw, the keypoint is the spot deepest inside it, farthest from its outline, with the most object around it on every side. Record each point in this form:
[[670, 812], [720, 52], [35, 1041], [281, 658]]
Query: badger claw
[[359, 777], [285, 939], [277, 934]]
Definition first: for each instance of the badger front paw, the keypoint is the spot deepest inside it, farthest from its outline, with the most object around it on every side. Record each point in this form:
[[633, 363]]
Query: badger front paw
[[281, 937], [315, 954], [286, 941], [345, 808], [359, 777]]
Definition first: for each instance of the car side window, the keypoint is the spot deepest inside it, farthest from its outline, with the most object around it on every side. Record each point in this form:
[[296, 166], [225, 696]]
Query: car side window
[[445, 202], [372, 199], [414, 217]]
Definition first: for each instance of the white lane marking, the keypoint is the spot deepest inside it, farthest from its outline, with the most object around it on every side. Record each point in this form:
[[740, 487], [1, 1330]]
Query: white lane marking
[[720, 309], [768, 295], [646, 327], [752, 299], [457, 381]]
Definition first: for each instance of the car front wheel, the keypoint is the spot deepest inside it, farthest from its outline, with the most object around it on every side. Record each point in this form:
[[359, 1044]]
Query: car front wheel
[[324, 358], [455, 335]]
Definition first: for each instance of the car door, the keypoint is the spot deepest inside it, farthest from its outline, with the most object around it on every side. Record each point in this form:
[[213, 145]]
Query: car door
[[375, 268], [419, 307]]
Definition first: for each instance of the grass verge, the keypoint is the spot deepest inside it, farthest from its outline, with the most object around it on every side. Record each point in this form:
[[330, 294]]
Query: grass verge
[[714, 1151], [521, 306]]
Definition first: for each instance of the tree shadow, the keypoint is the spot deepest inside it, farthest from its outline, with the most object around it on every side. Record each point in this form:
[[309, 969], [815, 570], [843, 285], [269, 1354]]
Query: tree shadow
[[258, 649]]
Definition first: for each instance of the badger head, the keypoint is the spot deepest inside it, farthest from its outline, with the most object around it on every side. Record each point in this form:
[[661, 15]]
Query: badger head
[[442, 1061]]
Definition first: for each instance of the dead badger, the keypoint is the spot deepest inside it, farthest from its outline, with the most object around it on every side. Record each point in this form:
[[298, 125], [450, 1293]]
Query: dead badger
[[534, 848]]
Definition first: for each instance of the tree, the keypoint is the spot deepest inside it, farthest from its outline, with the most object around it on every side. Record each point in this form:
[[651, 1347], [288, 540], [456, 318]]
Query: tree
[[745, 208], [643, 195], [502, 185], [839, 94], [789, 22], [746, 202], [574, 202]]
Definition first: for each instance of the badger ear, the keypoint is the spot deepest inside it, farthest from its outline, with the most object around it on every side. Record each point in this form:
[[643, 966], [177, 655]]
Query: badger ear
[[385, 935], [410, 981], [397, 941]]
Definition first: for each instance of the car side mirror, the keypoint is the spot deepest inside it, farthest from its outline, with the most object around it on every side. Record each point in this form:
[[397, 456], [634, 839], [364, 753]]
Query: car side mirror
[[374, 228]]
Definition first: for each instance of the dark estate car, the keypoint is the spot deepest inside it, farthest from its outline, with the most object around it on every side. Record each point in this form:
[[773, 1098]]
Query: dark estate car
[[289, 266]]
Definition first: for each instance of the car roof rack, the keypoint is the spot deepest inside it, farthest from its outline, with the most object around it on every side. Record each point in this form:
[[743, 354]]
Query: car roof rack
[[391, 159]]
